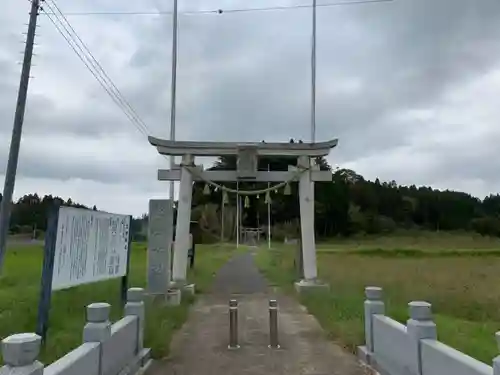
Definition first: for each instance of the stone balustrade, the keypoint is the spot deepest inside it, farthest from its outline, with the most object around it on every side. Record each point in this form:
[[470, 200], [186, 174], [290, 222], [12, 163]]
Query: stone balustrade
[[392, 348], [107, 349]]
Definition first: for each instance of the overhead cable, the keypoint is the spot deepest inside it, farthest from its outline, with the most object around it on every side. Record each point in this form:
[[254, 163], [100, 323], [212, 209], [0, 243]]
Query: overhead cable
[[85, 55], [223, 11]]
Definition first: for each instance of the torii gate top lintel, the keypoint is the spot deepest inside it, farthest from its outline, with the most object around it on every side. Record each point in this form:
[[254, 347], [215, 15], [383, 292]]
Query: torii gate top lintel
[[195, 148]]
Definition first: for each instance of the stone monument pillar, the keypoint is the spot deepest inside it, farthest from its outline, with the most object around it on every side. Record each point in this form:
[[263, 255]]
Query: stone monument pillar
[[160, 228]]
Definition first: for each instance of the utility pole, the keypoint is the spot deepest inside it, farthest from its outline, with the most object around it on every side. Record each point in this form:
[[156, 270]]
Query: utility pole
[[222, 219], [313, 85], [173, 88], [238, 214], [313, 74], [269, 211], [15, 143]]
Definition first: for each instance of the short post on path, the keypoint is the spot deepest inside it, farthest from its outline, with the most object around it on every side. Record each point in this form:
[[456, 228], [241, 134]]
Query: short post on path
[[273, 324], [233, 324]]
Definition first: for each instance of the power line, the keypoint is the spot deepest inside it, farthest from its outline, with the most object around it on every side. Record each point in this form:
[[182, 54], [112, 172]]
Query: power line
[[96, 76], [223, 11], [99, 73], [94, 67], [99, 66]]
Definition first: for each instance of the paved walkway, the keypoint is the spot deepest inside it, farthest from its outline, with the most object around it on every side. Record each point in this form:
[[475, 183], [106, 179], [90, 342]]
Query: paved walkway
[[200, 347], [239, 276]]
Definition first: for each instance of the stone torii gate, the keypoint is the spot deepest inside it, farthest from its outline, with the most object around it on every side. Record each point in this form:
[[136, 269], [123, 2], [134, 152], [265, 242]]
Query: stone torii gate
[[306, 173]]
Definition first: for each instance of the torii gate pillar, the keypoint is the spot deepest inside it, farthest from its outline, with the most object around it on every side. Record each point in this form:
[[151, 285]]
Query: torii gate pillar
[[181, 245], [306, 200]]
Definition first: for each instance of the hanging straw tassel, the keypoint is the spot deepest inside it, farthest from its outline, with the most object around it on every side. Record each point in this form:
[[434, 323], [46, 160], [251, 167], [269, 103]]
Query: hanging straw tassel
[[247, 202], [206, 189], [288, 189], [267, 200], [225, 198]]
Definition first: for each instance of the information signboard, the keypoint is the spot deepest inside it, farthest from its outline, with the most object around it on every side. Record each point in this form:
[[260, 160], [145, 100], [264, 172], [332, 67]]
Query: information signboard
[[82, 246], [90, 246]]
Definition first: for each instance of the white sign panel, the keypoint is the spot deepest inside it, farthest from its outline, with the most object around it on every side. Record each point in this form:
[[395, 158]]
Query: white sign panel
[[90, 246]]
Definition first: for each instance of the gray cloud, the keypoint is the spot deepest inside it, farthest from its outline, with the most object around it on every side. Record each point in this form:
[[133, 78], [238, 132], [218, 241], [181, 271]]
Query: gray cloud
[[386, 73]]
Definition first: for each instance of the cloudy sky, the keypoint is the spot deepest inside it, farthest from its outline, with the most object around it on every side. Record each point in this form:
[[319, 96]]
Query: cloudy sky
[[411, 88]]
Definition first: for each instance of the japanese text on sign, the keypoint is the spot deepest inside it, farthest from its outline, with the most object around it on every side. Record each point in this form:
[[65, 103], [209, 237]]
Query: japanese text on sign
[[90, 246]]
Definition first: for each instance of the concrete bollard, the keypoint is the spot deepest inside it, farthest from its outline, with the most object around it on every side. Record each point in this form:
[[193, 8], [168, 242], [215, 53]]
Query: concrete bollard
[[373, 306], [20, 353], [496, 360], [273, 324], [135, 307], [233, 324], [420, 326]]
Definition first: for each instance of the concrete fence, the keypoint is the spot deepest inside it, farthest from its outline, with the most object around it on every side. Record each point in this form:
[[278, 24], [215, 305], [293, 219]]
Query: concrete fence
[[107, 349], [392, 348]]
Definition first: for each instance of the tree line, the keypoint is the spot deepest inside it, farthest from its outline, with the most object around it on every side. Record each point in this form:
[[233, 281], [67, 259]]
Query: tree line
[[29, 214], [348, 205], [351, 204]]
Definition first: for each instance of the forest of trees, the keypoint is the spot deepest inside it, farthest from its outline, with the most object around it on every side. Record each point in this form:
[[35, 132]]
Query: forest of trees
[[29, 214], [348, 205]]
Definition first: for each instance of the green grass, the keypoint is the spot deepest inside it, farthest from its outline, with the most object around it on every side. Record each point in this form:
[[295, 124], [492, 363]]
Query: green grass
[[414, 240], [415, 253], [19, 293], [463, 288]]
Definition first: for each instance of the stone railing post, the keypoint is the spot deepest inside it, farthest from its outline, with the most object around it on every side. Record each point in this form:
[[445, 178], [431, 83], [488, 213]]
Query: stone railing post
[[496, 360], [373, 306], [135, 307], [98, 327], [420, 326], [20, 353]]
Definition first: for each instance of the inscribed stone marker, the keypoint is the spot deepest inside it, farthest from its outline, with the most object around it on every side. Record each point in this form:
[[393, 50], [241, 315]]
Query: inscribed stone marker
[[159, 245]]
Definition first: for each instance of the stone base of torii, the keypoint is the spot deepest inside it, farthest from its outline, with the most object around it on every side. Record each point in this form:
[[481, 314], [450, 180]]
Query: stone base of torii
[[167, 273]]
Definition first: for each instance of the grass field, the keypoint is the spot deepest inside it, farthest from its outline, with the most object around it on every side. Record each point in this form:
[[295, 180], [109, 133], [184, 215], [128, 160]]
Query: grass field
[[19, 293], [462, 283], [417, 241]]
